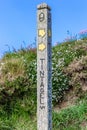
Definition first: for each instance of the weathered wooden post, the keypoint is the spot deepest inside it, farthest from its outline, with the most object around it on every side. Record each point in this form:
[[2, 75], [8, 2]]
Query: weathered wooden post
[[44, 83]]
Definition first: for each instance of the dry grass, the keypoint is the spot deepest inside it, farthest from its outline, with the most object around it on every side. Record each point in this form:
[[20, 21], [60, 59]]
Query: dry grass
[[77, 71], [11, 69]]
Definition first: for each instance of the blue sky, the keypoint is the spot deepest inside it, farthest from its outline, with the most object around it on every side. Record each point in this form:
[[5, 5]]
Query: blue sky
[[18, 21]]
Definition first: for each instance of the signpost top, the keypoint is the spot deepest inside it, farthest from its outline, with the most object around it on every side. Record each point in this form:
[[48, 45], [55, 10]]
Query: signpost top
[[43, 6]]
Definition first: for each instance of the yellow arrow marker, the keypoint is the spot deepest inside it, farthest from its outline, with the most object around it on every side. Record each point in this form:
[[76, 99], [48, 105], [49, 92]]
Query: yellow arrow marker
[[42, 46], [41, 32], [49, 33]]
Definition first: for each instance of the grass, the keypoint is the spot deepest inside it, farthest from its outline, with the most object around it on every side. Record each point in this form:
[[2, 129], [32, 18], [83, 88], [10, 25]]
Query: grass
[[71, 118], [67, 119], [18, 90]]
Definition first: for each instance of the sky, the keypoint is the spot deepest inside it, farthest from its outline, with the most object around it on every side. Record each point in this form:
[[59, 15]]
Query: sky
[[18, 21]]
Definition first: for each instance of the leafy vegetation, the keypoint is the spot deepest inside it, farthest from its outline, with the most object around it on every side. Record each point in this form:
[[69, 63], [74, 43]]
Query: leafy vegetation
[[18, 89]]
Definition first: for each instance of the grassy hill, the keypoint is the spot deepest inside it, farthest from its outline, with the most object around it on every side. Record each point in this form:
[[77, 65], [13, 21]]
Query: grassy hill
[[69, 86]]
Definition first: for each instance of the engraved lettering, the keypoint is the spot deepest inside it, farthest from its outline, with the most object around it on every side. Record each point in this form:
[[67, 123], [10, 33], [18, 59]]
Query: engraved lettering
[[41, 17]]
